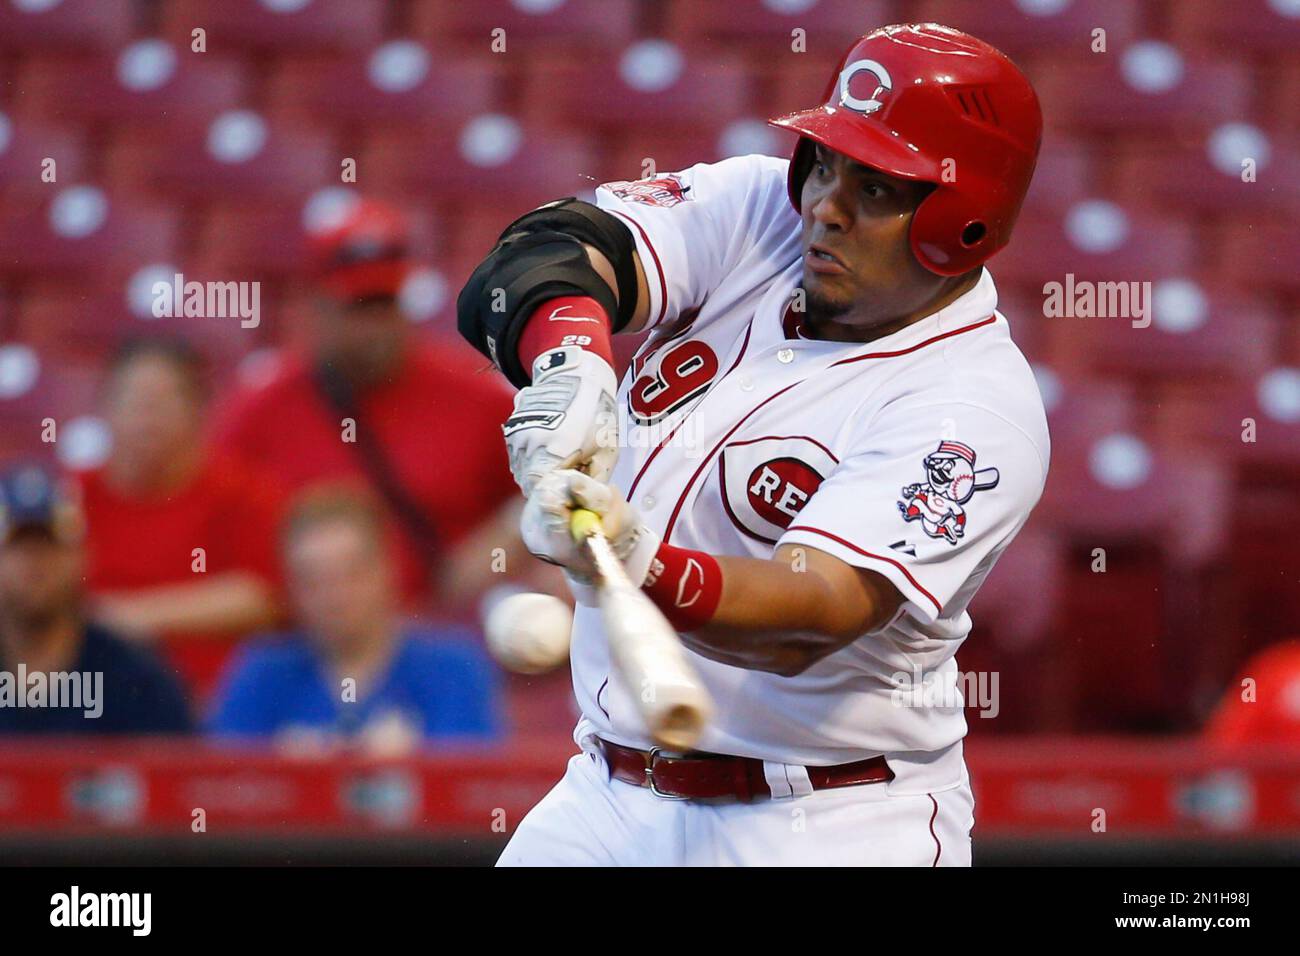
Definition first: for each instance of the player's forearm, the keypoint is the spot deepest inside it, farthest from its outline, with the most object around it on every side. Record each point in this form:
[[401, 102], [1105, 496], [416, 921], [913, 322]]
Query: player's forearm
[[786, 595], [784, 614]]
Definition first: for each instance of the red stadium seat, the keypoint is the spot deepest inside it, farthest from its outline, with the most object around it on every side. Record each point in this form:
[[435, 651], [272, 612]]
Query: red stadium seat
[[1123, 487], [1115, 660], [234, 26], [789, 82], [71, 24], [1259, 253], [671, 150], [26, 142], [85, 325], [1243, 25], [1021, 615], [269, 240], [401, 82], [84, 232], [1257, 425], [8, 314], [238, 156], [830, 25], [1019, 28], [527, 26], [60, 389], [1265, 563], [1194, 334], [1081, 411], [1145, 88], [1208, 175], [650, 82], [151, 81], [258, 240], [1218, 420], [1062, 178], [1284, 99], [492, 155], [74, 324], [1097, 240]]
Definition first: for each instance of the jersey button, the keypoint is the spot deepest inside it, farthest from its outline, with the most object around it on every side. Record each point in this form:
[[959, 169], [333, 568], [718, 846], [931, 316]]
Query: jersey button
[[785, 356], [746, 383], [648, 502]]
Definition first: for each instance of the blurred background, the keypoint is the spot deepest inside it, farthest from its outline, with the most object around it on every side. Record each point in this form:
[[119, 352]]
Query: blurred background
[[181, 514]]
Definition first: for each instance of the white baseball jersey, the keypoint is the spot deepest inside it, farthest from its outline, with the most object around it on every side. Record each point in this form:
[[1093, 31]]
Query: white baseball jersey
[[918, 455]]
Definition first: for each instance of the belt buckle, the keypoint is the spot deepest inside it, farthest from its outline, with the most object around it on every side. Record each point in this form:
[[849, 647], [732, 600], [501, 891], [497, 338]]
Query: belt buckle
[[650, 777]]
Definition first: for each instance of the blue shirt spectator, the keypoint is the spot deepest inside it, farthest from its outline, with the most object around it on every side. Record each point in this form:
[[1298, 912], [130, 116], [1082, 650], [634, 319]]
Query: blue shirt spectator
[[441, 685], [138, 696], [72, 677]]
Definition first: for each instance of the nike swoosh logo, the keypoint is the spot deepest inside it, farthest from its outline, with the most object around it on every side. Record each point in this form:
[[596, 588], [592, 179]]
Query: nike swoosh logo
[[556, 317]]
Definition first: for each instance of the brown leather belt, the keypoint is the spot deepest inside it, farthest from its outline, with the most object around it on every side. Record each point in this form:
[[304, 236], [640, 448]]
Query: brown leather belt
[[709, 776]]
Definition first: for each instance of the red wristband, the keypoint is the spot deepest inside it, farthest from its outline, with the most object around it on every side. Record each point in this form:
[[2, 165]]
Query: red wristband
[[686, 585], [565, 321]]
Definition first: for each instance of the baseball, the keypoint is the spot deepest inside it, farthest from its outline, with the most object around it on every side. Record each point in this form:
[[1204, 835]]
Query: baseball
[[529, 633]]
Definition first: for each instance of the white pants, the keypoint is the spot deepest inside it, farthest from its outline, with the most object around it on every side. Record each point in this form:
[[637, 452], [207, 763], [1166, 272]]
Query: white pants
[[589, 819]]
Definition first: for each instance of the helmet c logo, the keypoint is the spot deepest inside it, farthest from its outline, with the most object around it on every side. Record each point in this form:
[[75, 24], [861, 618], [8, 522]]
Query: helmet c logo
[[883, 85]]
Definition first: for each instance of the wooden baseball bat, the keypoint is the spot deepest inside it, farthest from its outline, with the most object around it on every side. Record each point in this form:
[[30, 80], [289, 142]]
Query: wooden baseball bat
[[647, 654]]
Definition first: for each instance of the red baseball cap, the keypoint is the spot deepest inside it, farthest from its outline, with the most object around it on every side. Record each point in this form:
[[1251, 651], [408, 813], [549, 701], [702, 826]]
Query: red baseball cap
[[364, 252]]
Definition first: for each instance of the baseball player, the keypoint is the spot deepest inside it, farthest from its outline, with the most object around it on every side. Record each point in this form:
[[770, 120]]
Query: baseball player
[[789, 464]]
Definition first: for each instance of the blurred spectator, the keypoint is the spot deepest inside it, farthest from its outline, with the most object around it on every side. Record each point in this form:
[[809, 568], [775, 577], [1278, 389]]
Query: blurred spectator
[[43, 630], [1268, 710], [427, 432], [160, 496], [354, 671]]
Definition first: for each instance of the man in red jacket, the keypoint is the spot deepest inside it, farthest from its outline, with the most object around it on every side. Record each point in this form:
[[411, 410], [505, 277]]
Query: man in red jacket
[[410, 416]]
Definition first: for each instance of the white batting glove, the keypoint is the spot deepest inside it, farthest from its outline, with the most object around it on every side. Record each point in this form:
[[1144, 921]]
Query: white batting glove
[[545, 527], [566, 419]]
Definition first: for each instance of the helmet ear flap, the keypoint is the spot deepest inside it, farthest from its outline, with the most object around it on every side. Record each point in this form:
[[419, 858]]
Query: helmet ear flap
[[950, 234], [800, 163]]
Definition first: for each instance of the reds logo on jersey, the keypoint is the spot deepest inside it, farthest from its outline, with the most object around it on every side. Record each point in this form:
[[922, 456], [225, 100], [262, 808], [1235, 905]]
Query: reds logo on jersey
[[767, 481], [950, 481], [666, 191]]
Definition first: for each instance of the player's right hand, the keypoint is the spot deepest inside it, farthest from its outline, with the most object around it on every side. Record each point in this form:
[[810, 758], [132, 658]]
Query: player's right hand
[[546, 529], [567, 418]]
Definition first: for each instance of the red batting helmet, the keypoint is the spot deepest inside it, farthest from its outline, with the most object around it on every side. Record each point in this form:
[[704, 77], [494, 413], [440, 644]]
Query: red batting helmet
[[926, 102], [363, 252]]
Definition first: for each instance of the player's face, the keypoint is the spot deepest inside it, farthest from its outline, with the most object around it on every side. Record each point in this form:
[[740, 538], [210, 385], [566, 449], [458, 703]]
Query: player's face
[[858, 265]]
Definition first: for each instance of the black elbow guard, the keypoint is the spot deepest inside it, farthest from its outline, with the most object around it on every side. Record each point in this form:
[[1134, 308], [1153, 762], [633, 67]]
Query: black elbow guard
[[540, 256]]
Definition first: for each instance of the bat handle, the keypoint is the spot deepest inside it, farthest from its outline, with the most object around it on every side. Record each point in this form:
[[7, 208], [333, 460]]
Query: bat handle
[[583, 524]]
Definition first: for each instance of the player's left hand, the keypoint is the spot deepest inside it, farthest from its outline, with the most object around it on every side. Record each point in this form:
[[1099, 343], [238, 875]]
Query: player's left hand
[[545, 526], [566, 418]]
